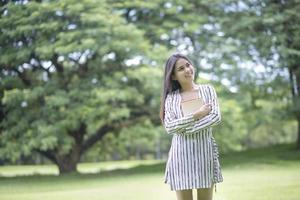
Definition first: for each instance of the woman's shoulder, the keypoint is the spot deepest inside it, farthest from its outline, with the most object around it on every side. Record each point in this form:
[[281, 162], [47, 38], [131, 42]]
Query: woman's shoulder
[[172, 94], [205, 85]]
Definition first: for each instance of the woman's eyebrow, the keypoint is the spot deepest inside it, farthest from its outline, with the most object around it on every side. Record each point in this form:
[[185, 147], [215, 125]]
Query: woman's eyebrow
[[183, 65]]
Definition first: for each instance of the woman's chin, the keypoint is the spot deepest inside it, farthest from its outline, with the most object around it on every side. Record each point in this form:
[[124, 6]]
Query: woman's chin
[[187, 81]]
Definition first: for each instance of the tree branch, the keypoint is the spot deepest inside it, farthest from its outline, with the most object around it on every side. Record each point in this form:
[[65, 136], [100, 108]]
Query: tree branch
[[23, 77], [88, 143], [48, 154], [57, 65]]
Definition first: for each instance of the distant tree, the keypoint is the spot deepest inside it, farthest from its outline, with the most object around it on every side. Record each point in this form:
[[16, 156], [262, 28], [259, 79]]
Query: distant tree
[[269, 33]]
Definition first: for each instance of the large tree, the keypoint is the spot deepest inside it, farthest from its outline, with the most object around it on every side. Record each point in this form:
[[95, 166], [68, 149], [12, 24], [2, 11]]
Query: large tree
[[69, 75]]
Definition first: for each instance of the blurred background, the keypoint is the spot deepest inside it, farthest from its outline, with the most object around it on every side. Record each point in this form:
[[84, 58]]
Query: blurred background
[[80, 86]]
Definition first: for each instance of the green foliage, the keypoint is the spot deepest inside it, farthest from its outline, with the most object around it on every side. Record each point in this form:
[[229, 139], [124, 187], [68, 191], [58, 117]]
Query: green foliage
[[140, 141], [66, 75]]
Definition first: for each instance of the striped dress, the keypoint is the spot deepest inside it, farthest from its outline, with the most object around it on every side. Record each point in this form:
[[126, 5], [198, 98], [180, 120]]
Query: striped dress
[[193, 160]]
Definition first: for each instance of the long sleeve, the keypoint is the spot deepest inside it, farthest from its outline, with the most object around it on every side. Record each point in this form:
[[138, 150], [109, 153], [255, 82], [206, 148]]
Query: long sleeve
[[173, 125], [213, 118]]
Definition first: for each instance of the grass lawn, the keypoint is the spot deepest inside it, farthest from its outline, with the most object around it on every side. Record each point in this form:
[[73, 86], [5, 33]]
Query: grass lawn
[[263, 174]]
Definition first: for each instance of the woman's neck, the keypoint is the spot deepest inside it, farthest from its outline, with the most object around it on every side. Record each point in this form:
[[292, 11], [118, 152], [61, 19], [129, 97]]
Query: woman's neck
[[188, 87]]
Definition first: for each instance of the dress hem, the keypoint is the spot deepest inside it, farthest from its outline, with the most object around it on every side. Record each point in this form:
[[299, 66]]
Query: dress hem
[[190, 188]]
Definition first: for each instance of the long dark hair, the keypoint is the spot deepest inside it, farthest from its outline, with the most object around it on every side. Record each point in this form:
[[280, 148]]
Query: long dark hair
[[169, 85]]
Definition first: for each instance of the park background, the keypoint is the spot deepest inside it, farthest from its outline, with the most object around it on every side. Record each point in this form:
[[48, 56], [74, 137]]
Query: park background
[[80, 86]]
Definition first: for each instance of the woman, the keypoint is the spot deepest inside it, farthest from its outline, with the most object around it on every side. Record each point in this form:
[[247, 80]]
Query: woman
[[193, 157]]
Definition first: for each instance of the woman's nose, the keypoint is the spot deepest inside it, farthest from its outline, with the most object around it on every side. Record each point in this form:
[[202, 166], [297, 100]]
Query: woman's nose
[[186, 69]]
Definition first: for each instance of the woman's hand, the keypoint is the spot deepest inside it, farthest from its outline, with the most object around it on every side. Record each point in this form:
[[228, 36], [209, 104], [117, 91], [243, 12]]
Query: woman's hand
[[203, 111]]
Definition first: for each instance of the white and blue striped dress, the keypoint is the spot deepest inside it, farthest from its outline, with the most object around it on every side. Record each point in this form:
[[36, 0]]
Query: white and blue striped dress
[[193, 160]]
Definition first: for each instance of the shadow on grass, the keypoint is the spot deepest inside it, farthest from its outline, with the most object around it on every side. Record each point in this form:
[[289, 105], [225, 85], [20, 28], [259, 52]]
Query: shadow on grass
[[275, 155], [137, 170]]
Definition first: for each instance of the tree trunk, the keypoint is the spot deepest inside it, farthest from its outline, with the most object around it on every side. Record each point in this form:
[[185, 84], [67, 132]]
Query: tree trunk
[[295, 82], [298, 137], [68, 163], [294, 74]]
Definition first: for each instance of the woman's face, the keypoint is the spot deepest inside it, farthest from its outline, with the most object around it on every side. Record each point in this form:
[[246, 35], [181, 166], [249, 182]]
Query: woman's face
[[183, 71]]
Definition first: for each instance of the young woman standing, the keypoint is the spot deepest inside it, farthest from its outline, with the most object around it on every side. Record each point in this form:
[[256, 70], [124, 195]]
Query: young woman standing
[[193, 161]]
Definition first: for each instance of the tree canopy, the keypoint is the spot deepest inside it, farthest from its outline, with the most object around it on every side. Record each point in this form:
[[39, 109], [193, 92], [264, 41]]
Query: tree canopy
[[68, 70]]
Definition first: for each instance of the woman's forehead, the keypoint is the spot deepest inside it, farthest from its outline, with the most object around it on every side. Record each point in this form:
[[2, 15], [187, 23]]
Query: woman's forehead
[[180, 62]]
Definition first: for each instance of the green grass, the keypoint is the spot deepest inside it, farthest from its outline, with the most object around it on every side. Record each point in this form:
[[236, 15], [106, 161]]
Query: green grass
[[262, 174]]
